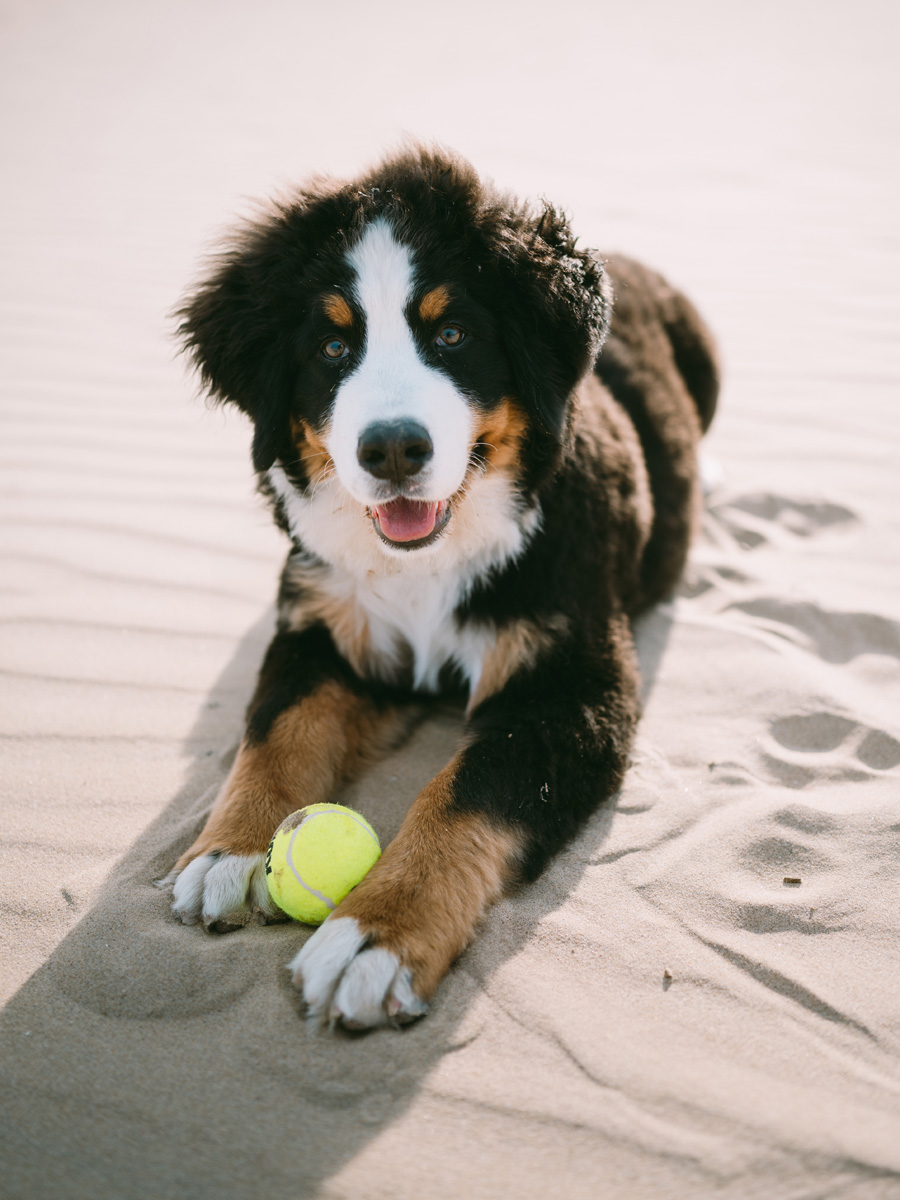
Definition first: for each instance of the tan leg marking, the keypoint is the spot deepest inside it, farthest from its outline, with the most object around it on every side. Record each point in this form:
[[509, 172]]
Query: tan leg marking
[[434, 303], [338, 310], [424, 898], [518, 644], [501, 438], [312, 747]]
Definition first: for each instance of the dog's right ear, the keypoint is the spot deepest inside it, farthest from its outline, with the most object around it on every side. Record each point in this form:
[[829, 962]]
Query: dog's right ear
[[233, 333]]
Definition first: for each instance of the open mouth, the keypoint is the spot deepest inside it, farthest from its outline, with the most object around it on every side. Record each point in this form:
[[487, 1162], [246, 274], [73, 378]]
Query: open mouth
[[410, 524]]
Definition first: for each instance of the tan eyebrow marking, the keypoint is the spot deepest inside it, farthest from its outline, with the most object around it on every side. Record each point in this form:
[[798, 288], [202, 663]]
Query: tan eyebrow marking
[[433, 303], [337, 308]]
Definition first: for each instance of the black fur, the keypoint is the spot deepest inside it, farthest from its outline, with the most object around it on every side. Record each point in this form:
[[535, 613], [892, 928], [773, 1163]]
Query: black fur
[[553, 741], [539, 302]]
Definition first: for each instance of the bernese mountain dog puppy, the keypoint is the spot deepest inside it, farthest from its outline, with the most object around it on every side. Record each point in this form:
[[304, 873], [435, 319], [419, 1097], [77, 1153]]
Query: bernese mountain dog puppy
[[481, 441]]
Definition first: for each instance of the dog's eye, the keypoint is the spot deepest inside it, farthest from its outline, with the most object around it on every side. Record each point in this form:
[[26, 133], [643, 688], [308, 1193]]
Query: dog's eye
[[334, 348], [450, 335]]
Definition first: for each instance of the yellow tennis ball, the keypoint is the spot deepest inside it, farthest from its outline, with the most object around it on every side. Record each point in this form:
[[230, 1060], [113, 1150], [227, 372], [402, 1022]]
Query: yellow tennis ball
[[318, 855]]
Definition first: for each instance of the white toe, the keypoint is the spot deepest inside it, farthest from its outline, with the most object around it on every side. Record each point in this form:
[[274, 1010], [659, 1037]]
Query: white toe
[[260, 900], [320, 964], [215, 886], [359, 1001], [187, 891], [345, 983], [403, 1005], [226, 888]]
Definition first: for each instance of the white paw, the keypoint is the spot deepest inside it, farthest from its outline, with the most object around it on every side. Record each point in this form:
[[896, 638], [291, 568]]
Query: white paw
[[218, 886], [345, 983]]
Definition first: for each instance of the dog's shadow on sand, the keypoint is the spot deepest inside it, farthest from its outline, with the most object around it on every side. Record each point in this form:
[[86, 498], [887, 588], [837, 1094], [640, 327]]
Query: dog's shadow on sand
[[177, 1052]]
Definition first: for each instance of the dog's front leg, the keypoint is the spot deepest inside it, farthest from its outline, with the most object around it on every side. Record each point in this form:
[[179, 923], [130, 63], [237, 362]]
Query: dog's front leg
[[311, 725], [541, 752]]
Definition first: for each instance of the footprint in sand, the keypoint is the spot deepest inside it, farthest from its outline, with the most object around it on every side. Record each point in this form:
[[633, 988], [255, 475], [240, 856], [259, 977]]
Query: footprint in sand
[[824, 747], [833, 635], [762, 904], [763, 517], [752, 520], [787, 873]]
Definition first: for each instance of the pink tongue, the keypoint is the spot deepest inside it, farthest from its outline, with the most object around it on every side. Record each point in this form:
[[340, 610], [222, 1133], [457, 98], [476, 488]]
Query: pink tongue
[[407, 520]]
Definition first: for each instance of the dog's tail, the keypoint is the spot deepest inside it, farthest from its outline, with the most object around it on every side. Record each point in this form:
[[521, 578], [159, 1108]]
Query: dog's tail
[[695, 354], [645, 307], [659, 363]]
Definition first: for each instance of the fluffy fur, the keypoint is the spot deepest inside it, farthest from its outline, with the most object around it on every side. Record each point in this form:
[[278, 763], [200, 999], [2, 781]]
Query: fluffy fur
[[479, 494]]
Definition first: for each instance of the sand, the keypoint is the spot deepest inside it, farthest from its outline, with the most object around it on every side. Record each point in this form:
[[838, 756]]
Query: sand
[[662, 1014]]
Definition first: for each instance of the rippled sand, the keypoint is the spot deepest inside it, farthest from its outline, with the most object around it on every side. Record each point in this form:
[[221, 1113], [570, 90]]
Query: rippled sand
[[700, 997]]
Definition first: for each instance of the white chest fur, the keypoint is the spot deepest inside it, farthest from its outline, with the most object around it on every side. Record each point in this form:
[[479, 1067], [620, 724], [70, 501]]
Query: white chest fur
[[385, 609], [398, 616]]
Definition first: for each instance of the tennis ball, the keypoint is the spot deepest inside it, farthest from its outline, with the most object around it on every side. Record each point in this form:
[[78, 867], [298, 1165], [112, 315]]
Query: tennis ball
[[318, 855]]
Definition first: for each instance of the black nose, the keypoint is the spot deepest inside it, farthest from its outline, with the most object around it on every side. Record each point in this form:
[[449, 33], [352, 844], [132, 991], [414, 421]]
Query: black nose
[[394, 450]]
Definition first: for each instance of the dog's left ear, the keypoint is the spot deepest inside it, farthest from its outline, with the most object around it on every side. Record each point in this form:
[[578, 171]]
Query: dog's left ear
[[231, 330], [557, 306]]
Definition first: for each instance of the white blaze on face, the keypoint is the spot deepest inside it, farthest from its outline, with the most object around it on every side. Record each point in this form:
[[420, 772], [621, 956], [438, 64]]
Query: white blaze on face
[[392, 383]]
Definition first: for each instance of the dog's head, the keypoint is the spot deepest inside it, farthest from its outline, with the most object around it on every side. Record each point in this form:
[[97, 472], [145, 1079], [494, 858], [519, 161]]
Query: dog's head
[[396, 338]]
